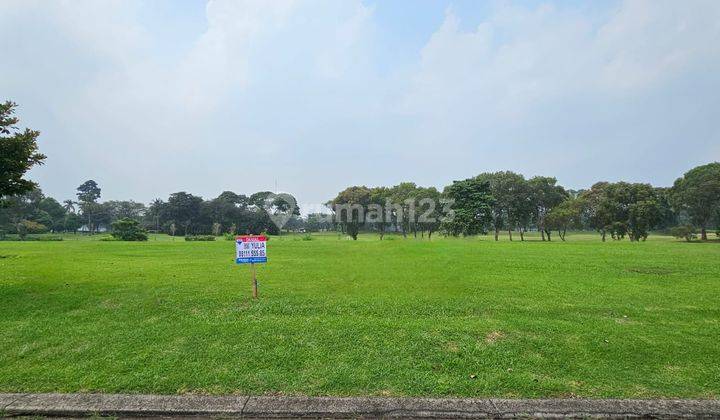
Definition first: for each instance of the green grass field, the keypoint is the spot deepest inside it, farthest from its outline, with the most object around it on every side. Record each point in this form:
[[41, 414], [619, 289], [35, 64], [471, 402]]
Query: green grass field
[[447, 317]]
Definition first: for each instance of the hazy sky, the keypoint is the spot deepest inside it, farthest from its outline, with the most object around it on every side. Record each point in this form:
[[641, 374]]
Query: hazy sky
[[153, 97]]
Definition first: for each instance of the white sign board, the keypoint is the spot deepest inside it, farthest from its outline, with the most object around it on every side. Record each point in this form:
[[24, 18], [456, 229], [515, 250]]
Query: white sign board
[[250, 249]]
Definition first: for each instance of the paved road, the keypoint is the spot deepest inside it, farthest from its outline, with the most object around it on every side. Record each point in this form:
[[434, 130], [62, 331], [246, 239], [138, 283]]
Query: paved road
[[76, 405]]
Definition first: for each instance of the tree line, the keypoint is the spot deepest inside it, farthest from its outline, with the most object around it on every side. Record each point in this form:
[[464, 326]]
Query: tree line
[[507, 201], [489, 202], [181, 214]]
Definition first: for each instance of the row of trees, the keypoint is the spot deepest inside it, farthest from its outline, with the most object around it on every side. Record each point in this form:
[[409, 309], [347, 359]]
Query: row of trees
[[184, 213], [406, 208], [488, 202], [507, 201], [181, 214]]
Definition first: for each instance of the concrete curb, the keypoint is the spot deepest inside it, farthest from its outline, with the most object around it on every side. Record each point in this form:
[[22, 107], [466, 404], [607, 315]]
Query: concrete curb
[[77, 405]]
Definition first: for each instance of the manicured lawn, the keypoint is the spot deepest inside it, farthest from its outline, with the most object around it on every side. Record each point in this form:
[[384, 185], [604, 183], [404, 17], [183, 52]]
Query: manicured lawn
[[464, 317]]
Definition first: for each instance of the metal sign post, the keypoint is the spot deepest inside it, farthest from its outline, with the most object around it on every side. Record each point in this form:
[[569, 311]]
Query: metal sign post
[[251, 249]]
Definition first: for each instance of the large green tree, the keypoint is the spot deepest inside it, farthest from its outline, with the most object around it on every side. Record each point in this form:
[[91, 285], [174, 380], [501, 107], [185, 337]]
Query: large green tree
[[404, 197], [562, 217], [545, 195], [698, 193], [349, 207], [184, 209], [55, 212], [379, 215], [472, 207], [598, 211], [18, 153], [621, 207], [429, 210], [511, 205], [88, 193]]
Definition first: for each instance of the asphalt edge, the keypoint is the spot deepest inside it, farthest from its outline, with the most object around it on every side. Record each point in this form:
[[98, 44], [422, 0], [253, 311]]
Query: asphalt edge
[[139, 405]]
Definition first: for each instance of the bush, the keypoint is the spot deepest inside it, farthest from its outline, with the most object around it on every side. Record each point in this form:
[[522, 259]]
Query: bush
[[128, 230], [40, 238], [199, 238], [229, 237], [46, 238], [28, 226], [686, 232]]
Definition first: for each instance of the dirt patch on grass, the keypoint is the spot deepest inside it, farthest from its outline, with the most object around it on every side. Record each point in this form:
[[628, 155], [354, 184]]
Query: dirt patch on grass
[[625, 320], [494, 336]]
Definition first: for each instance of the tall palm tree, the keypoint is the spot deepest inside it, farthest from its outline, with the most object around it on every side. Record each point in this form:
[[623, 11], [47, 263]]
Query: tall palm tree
[[69, 206]]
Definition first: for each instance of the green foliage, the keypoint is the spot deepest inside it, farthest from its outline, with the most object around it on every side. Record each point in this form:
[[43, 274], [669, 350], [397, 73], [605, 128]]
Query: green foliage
[[25, 227], [562, 217], [22, 229], [18, 153], [128, 230], [698, 193], [512, 206], [203, 238], [317, 222], [88, 194], [617, 230], [472, 204], [33, 237], [686, 232], [32, 206], [620, 208], [546, 195], [53, 212], [88, 191], [349, 207], [184, 209], [72, 222]]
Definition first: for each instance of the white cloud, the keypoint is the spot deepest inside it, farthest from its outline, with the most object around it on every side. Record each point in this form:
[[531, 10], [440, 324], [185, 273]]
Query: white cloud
[[533, 86]]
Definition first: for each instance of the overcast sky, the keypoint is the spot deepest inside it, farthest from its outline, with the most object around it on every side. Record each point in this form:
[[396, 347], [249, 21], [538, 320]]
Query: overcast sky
[[149, 98]]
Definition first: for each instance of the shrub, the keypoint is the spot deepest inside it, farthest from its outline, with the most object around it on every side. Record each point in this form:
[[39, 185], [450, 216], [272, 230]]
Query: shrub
[[46, 238], [128, 230], [199, 238], [40, 238], [686, 232], [28, 226]]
